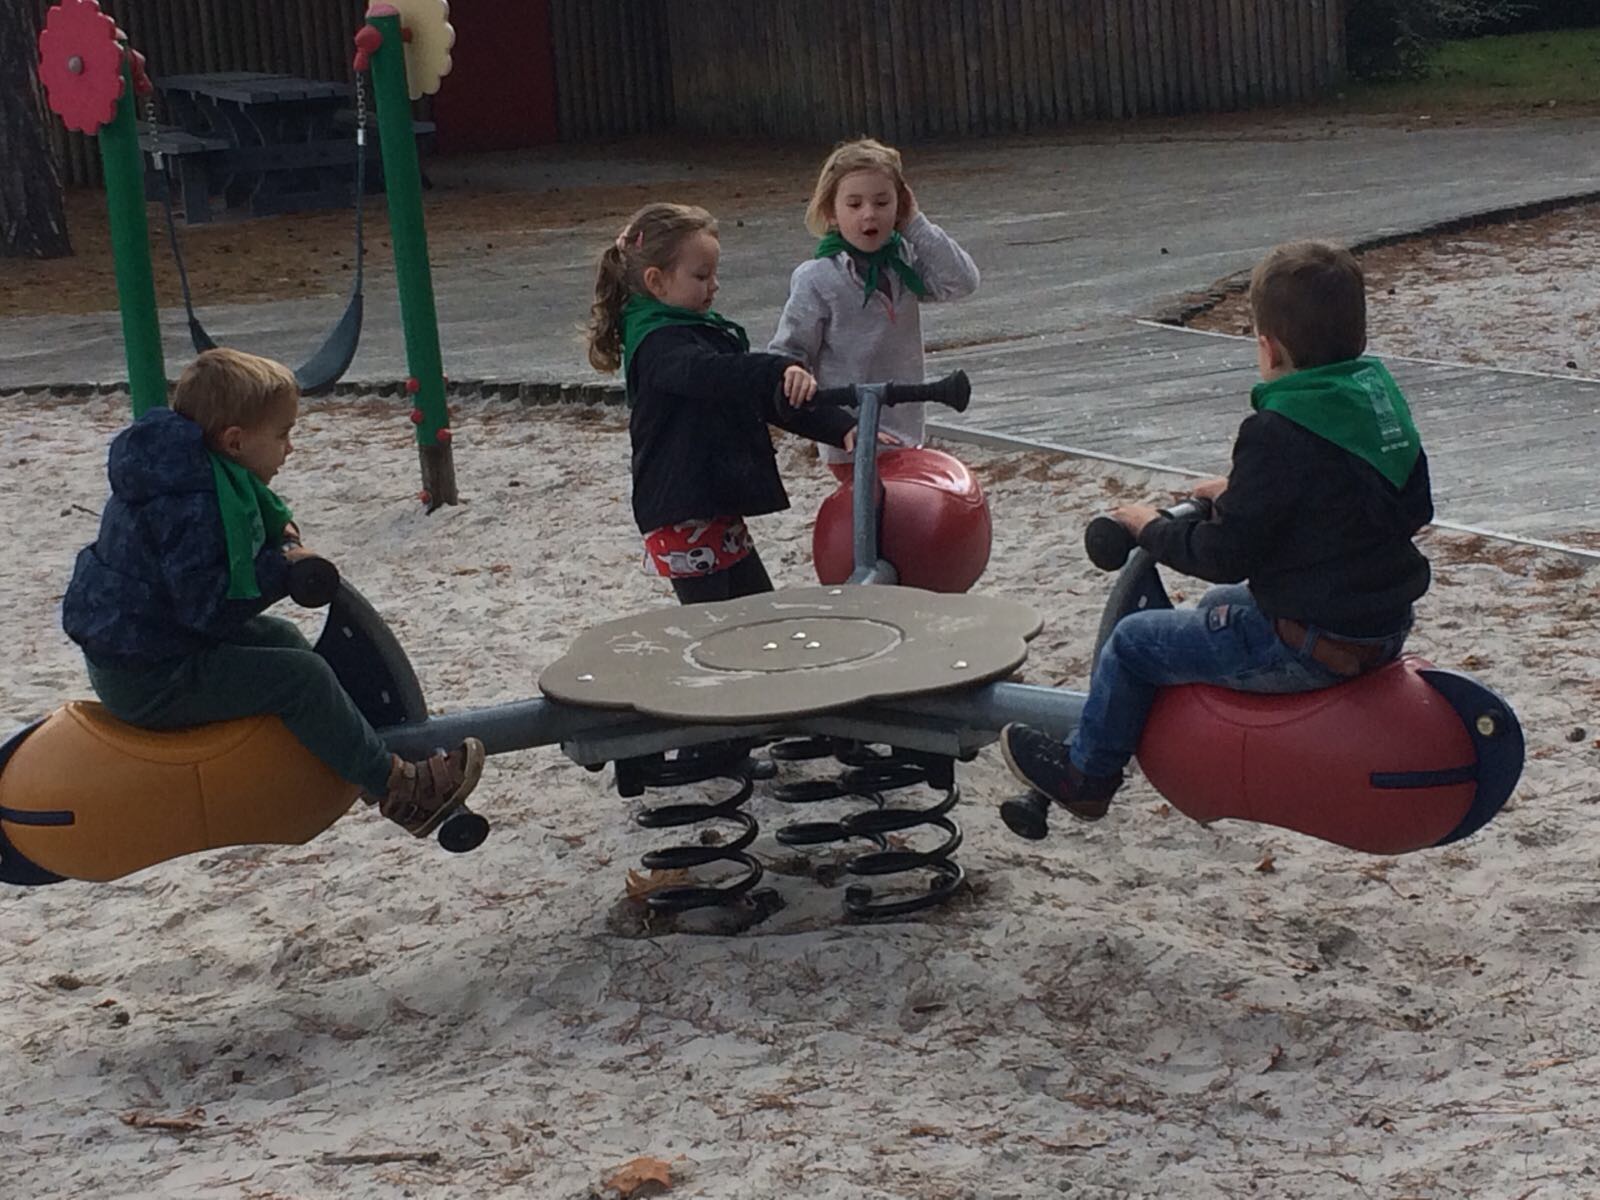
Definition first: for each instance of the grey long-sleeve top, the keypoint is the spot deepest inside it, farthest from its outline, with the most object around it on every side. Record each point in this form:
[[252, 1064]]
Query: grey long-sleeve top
[[841, 340]]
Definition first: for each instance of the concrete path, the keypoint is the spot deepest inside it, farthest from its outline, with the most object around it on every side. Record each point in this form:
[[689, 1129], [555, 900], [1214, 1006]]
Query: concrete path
[[1074, 235], [1068, 232], [1509, 451]]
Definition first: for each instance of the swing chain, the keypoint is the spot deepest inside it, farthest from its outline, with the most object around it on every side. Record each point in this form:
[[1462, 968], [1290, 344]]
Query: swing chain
[[361, 109], [157, 158]]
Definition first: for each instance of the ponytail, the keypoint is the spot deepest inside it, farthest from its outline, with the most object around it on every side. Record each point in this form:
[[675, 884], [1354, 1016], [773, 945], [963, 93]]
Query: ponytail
[[611, 292]]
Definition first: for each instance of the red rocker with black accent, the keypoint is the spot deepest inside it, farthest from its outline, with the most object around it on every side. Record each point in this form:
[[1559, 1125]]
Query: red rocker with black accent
[[1404, 758]]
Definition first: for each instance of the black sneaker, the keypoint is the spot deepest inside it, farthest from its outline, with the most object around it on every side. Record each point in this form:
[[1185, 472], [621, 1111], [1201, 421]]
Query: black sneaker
[[1041, 762]]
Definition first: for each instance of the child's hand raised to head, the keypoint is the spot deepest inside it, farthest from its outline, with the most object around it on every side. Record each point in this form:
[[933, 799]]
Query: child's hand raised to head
[[799, 385], [884, 439], [908, 207]]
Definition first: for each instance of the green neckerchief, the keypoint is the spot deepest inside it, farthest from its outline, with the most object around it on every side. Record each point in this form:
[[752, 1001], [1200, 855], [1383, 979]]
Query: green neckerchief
[[1354, 404], [252, 516], [886, 255], [643, 315]]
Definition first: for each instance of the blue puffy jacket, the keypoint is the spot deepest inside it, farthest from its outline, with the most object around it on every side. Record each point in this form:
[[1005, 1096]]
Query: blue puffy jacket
[[154, 584]]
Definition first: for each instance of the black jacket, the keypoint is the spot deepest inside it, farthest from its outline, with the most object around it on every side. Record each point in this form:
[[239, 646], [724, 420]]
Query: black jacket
[[1321, 536], [699, 427]]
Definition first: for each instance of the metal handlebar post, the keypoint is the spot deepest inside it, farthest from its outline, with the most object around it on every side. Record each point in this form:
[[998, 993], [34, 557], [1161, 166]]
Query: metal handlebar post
[[865, 490]]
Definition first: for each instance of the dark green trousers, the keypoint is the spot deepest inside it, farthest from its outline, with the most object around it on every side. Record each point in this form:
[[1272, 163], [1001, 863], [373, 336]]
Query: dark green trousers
[[269, 668]]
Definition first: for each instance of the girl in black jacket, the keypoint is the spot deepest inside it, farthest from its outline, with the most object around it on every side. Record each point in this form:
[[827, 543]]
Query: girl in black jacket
[[702, 456]]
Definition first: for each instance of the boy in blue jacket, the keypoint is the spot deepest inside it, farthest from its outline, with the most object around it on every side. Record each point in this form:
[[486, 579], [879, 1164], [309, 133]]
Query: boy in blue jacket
[[167, 602]]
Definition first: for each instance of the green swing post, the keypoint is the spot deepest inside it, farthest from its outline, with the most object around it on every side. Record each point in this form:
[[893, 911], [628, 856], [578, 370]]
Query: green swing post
[[130, 249], [419, 319]]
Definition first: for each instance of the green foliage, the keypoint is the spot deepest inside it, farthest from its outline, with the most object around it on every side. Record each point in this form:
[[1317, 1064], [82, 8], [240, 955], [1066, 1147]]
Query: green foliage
[[1525, 70], [1392, 39]]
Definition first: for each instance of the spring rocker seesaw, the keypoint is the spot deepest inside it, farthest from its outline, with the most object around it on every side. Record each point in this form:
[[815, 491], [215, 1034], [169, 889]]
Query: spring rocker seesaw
[[1402, 759]]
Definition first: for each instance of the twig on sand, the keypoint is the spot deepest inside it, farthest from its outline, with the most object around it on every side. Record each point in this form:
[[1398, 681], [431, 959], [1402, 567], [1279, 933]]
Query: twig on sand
[[188, 1121], [379, 1157]]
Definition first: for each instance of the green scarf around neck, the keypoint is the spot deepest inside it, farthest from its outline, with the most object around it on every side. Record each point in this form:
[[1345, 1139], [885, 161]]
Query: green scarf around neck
[[1354, 404], [886, 255], [252, 516], [643, 315]]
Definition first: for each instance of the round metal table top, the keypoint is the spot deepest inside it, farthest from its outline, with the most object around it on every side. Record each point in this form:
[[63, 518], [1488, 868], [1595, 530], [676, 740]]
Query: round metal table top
[[792, 652]]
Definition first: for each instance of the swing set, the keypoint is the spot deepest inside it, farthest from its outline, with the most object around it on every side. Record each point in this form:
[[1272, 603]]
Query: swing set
[[92, 77]]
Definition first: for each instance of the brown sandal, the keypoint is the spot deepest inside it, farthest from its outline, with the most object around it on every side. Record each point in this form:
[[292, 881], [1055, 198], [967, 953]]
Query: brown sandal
[[422, 794]]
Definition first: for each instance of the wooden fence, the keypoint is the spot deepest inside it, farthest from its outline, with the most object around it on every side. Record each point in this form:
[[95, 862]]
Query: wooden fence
[[899, 69], [612, 71], [904, 69]]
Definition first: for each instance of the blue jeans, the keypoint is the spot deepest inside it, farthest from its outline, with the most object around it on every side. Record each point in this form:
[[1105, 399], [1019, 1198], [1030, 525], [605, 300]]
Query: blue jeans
[[1224, 640]]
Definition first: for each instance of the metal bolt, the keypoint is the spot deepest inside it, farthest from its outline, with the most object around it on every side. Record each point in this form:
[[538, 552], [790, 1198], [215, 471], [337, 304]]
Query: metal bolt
[[813, 645], [770, 646], [797, 637], [1486, 725], [960, 664], [75, 65], [585, 678]]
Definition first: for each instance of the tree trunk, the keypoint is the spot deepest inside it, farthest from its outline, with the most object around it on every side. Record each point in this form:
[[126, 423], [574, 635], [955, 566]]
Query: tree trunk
[[33, 222]]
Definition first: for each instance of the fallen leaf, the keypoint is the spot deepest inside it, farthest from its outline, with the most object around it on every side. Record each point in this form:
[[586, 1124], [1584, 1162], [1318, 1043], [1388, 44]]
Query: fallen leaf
[[1266, 866], [641, 885], [644, 1176], [1273, 1060]]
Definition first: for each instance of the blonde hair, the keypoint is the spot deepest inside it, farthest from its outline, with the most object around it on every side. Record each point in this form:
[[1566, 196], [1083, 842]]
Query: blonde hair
[[1312, 298], [863, 154], [223, 388], [653, 237]]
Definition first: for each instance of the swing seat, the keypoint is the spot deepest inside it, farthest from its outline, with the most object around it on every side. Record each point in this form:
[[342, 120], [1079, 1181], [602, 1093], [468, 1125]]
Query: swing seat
[[1401, 759], [85, 796]]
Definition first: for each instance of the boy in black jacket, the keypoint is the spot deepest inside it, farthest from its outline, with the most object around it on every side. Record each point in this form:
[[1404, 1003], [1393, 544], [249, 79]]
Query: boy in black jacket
[[702, 457], [1328, 486]]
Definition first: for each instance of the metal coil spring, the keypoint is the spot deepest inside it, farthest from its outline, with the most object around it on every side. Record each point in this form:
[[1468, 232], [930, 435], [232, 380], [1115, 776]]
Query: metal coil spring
[[869, 775], [634, 775]]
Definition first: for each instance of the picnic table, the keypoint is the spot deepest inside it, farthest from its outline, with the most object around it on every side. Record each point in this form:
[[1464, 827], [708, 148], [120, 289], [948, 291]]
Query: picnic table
[[266, 143]]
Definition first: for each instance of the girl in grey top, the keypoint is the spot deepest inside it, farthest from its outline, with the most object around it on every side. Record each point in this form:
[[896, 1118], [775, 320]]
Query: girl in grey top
[[853, 314]]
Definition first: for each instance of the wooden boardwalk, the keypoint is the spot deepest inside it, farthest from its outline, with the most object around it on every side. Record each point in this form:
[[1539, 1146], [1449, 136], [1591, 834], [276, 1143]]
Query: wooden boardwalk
[[1511, 452]]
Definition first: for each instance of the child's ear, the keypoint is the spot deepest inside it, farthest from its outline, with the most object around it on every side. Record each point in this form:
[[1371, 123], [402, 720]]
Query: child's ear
[[231, 440], [1272, 351], [653, 278]]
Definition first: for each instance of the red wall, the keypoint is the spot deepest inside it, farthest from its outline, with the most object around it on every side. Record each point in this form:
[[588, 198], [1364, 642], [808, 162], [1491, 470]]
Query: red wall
[[501, 90]]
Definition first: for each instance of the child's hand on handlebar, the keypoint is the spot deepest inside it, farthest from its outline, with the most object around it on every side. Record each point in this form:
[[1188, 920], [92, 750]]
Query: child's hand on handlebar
[[1210, 489], [1134, 517], [294, 552], [884, 439], [799, 385]]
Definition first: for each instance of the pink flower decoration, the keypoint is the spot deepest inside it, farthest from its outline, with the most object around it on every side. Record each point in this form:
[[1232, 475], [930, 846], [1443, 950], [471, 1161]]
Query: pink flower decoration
[[80, 64]]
